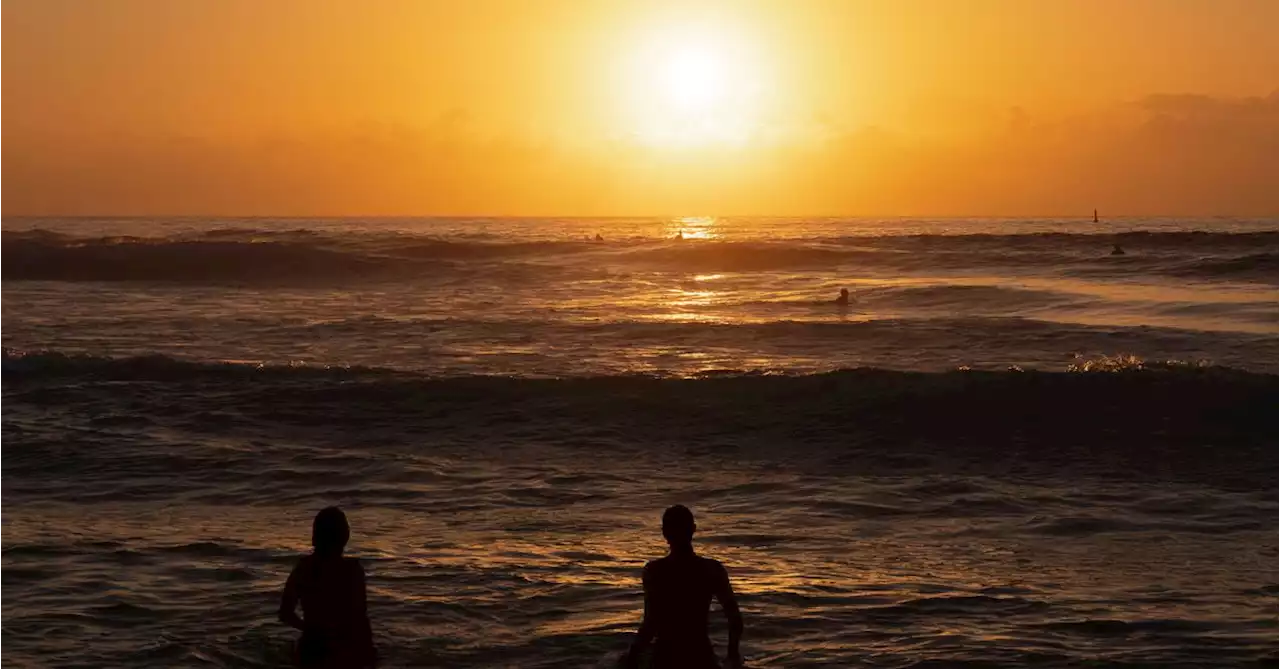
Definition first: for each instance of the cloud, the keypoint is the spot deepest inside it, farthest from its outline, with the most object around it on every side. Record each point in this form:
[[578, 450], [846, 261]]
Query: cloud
[[1204, 106], [1180, 155], [1162, 154]]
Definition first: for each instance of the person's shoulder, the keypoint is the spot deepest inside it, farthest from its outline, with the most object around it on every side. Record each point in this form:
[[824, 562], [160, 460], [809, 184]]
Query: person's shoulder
[[712, 565], [353, 564], [659, 562], [300, 567], [658, 566]]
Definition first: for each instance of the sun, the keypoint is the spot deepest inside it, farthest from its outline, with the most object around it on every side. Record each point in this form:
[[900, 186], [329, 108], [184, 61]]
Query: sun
[[693, 85], [696, 77]]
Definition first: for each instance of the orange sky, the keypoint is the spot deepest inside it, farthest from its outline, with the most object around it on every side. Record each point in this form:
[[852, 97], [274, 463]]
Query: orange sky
[[604, 107]]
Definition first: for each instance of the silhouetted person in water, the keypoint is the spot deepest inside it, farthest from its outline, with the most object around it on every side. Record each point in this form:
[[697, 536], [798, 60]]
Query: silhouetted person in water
[[679, 236], [599, 238], [334, 623], [844, 297], [1116, 250], [677, 598]]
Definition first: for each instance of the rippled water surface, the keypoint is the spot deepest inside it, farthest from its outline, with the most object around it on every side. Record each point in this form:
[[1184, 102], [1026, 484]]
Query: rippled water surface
[[537, 297], [457, 386]]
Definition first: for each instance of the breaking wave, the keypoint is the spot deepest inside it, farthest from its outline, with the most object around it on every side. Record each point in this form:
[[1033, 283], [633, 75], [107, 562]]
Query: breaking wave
[[249, 255]]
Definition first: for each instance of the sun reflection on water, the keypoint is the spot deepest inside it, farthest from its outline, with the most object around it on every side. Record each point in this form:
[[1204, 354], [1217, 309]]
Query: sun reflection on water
[[692, 298], [694, 227], [687, 317]]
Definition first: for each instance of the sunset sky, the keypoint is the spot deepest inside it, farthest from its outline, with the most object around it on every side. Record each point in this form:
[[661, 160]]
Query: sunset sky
[[613, 107]]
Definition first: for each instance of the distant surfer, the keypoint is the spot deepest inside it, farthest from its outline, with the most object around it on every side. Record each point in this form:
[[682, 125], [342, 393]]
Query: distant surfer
[[1095, 215], [843, 300], [677, 598], [330, 588], [1116, 250], [679, 236]]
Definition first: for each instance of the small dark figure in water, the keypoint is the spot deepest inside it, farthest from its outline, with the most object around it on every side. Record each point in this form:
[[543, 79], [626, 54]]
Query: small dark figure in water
[[679, 236], [1116, 250], [844, 297], [677, 598], [599, 238], [334, 623]]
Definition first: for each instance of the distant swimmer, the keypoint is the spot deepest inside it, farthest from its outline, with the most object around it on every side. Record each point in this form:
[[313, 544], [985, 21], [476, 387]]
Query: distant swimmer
[[1095, 215], [599, 238], [678, 590], [679, 236], [1116, 250], [844, 297]]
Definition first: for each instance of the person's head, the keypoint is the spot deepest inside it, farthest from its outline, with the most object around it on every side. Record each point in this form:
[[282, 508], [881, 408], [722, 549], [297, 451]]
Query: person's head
[[330, 531], [844, 292], [678, 525]]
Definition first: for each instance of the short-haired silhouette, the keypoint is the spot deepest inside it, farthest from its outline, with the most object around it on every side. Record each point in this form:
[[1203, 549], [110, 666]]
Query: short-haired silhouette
[[677, 598], [335, 622], [844, 296]]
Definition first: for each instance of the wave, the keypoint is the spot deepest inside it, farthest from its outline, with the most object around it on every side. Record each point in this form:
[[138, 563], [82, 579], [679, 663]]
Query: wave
[[816, 341], [1253, 265], [181, 261], [20, 365], [22, 368], [249, 255], [25, 365], [1058, 240], [972, 297], [1134, 420], [944, 255], [457, 250]]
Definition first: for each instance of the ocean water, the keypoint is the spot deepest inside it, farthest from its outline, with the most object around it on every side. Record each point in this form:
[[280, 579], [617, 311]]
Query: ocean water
[[505, 406], [536, 297]]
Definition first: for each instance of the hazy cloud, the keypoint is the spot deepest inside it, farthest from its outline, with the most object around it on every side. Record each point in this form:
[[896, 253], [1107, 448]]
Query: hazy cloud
[[1163, 154]]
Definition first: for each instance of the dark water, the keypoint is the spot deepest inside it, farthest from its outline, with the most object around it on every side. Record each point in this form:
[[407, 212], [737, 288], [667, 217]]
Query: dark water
[[156, 493]]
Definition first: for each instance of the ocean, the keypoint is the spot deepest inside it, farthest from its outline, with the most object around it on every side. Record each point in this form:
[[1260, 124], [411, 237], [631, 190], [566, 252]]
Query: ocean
[[1010, 448]]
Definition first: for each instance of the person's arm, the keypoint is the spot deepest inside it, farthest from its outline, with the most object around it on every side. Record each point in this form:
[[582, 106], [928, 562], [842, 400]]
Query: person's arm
[[729, 602], [289, 599], [644, 636], [360, 612]]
